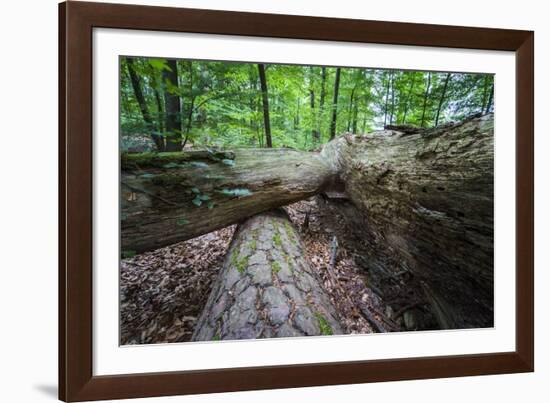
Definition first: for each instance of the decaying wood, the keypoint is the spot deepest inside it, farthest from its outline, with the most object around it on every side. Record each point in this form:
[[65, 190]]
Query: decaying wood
[[333, 251], [423, 201], [171, 197], [266, 287], [371, 319]]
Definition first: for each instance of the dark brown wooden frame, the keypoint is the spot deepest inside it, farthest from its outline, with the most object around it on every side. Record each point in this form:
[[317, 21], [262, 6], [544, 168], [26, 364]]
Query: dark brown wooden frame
[[76, 22]]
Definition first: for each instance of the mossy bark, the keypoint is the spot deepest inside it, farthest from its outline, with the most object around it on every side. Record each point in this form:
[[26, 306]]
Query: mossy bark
[[171, 197], [266, 287]]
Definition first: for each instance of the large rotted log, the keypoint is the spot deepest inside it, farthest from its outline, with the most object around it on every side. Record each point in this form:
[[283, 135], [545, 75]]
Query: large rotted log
[[266, 287], [172, 197], [424, 205]]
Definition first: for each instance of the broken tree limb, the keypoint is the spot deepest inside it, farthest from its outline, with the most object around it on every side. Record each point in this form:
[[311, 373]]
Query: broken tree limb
[[172, 197], [266, 287]]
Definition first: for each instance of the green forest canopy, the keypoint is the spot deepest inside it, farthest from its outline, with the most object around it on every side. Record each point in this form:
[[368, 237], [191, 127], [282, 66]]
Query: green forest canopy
[[166, 103]]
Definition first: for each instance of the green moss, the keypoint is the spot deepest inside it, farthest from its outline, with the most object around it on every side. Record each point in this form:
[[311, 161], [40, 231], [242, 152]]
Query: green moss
[[325, 328], [171, 159], [168, 179], [290, 232], [275, 267], [288, 262], [216, 337], [289, 228], [239, 263], [277, 239], [126, 254], [142, 160], [252, 244]]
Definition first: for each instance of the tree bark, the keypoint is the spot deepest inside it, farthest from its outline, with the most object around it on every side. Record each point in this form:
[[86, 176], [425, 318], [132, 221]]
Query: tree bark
[[265, 103], [485, 91], [266, 287], [426, 95], [136, 85], [442, 99], [425, 204], [392, 97], [171, 197], [172, 106], [335, 104], [321, 100], [490, 101], [423, 198], [387, 98]]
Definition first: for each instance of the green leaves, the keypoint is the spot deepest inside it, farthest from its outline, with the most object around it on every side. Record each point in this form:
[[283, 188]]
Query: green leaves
[[159, 64], [197, 201], [236, 192], [198, 164], [324, 326], [231, 163], [199, 198], [219, 102]]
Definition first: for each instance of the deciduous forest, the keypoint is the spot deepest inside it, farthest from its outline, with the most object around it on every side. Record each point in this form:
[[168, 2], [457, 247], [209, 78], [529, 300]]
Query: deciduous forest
[[265, 200], [301, 107]]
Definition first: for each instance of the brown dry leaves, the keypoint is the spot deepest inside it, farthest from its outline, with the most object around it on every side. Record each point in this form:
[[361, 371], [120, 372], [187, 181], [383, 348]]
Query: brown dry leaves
[[346, 283], [162, 292]]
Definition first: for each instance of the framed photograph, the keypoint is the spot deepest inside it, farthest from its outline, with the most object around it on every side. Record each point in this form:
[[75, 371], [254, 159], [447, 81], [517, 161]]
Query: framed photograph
[[254, 201]]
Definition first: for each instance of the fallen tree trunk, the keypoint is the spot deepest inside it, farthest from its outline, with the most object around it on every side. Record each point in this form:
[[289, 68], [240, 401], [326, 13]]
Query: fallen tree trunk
[[266, 287], [424, 203], [172, 197]]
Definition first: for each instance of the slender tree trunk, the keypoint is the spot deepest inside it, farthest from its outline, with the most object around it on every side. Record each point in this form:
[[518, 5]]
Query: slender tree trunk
[[191, 109], [355, 113], [442, 99], [335, 104], [490, 101], [364, 123], [321, 100], [172, 106], [314, 116], [266, 287], [136, 85], [426, 94], [392, 98], [160, 111], [386, 103], [350, 108], [265, 102], [407, 102], [485, 90]]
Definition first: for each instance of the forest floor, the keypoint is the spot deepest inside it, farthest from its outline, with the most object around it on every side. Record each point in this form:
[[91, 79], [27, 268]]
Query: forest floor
[[163, 292]]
